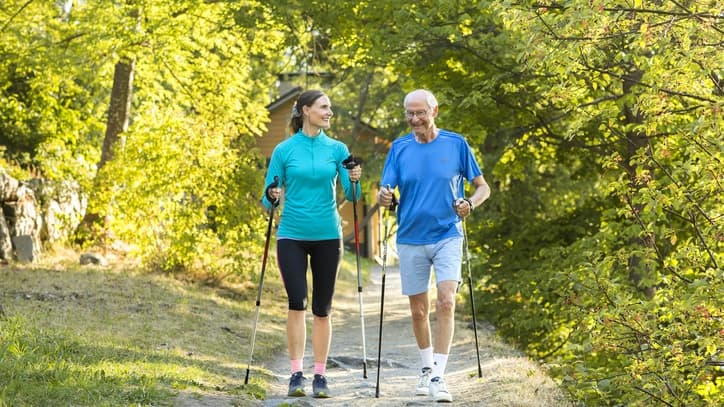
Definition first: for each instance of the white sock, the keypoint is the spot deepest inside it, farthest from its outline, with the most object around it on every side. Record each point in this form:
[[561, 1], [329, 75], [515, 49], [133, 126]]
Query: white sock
[[439, 364], [426, 356]]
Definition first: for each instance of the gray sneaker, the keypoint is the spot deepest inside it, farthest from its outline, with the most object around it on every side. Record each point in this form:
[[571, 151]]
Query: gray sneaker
[[438, 391], [296, 385], [423, 383], [319, 387]]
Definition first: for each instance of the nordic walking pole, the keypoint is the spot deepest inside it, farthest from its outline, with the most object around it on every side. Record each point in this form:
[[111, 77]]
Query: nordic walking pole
[[382, 296], [274, 203], [472, 298], [349, 163]]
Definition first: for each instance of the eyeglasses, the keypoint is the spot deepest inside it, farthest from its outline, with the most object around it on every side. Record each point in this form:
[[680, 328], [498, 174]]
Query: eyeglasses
[[418, 114]]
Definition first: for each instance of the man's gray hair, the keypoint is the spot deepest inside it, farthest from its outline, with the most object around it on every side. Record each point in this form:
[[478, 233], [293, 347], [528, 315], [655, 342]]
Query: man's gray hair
[[429, 97]]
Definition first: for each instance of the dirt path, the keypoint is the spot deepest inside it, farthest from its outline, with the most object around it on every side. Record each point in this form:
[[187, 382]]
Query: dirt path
[[509, 379]]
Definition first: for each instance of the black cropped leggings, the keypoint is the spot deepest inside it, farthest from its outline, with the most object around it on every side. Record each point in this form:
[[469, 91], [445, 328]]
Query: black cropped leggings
[[324, 256]]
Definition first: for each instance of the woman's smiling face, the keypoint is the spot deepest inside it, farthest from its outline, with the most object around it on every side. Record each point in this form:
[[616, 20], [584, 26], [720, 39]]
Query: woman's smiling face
[[320, 112]]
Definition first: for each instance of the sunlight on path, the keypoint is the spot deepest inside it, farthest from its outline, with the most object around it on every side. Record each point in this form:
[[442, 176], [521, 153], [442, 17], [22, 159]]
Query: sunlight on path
[[508, 377]]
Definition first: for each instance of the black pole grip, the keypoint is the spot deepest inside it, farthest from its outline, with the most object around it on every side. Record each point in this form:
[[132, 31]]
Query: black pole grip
[[270, 198], [351, 162], [395, 202]]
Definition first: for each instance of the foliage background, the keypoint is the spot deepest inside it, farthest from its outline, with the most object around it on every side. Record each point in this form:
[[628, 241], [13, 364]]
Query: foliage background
[[598, 124]]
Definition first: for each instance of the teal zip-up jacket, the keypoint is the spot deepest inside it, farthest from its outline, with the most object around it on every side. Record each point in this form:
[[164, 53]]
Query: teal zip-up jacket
[[308, 168]]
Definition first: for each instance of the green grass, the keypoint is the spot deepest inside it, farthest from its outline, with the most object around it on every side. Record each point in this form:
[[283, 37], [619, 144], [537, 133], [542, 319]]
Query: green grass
[[109, 337], [47, 368]]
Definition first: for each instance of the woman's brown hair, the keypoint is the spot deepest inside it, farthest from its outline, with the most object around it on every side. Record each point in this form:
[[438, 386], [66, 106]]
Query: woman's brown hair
[[307, 98]]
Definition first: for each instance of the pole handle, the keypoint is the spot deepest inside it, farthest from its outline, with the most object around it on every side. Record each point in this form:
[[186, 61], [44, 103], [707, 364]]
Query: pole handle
[[274, 184]]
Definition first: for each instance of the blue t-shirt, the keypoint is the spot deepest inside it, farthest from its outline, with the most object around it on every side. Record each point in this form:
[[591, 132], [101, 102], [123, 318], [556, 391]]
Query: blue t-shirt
[[430, 178], [307, 168]]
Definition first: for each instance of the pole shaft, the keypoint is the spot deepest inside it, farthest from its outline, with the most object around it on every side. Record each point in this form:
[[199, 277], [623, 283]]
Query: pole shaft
[[472, 297], [258, 293], [382, 299], [359, 278]]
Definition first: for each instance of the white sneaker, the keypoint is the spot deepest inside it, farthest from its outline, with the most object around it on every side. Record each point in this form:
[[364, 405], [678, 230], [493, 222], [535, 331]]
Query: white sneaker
[[423, 384], [438, 391]]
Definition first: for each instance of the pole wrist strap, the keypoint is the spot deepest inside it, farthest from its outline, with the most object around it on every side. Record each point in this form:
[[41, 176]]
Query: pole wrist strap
[[470, 202]]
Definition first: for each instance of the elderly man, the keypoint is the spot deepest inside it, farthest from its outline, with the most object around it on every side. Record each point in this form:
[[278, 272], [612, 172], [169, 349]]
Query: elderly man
[[428, 166]]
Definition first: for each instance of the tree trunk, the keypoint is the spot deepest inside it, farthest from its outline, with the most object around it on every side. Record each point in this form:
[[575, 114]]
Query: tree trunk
[[119, 110], [636, 140]]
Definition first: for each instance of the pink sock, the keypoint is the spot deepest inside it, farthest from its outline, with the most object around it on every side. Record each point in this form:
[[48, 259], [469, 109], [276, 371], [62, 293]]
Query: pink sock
[[320, 368], [296, 365]]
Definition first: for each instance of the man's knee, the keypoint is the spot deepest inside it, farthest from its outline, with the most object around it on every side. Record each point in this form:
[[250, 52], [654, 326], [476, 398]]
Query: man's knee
[[419, 311], [445, 305]]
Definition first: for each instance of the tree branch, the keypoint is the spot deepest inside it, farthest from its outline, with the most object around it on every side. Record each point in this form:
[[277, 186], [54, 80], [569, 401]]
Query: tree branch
[[698, 16], [632, 10], [657, 398], [650, 154], [646, 85], [12, 17]]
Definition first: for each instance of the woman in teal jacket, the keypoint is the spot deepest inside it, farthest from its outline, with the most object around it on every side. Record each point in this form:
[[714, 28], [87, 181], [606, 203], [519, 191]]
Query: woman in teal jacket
[[308, 165]]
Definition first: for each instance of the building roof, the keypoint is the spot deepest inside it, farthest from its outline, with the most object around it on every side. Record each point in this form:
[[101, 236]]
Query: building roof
[[284, 98]]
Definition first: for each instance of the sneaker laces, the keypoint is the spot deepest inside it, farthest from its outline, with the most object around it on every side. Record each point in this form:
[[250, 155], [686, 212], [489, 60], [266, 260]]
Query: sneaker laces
[[319, 386], [296, 384], [438, 390], [424, 377]]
